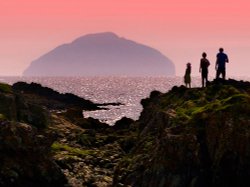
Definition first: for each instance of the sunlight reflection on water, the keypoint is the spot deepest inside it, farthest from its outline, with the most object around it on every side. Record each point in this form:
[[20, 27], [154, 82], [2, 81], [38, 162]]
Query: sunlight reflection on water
[[126, 90]]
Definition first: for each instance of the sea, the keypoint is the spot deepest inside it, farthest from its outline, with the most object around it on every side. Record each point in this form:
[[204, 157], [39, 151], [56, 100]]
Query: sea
[[126, 90]]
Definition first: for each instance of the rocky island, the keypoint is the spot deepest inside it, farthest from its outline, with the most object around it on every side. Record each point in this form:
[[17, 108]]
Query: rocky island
[[102, 54], [195, 137]]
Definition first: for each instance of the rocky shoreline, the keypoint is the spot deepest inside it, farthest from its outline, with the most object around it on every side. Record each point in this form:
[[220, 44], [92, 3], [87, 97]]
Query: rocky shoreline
[[192, 137], [186, 137], [80, 151]]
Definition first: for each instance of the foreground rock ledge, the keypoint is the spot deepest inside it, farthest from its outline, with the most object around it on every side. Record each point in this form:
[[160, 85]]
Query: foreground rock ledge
[[186, 137], [192, 137]]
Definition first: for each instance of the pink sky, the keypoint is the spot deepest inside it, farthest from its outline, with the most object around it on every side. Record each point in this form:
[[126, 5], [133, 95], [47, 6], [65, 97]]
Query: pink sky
[[180, 29]]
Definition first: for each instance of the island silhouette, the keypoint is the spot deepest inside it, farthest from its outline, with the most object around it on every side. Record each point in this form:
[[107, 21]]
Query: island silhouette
[[102, 54]]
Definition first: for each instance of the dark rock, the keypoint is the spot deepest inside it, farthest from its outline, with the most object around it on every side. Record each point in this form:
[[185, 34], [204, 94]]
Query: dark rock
[[52, 99], [123, 123], [31, 113], [8, 106], [128, 143], [25, 157], [15, 107], [83, 150], [73, 114], [110, 104], [111, 139], [192, 137], [87, 138], [91, 123]]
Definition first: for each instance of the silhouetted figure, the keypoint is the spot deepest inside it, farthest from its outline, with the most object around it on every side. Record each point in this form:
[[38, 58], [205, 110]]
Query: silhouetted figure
[[187, 77], [204, 69], [220, 65]]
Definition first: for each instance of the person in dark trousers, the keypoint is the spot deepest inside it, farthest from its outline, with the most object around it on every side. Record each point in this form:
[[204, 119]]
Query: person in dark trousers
[[187, 76], [220, 65], [204, 63]]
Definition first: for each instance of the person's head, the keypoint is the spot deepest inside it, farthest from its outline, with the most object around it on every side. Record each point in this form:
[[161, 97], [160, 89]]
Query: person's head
[[189, 65], [221, 49], [204, 55]]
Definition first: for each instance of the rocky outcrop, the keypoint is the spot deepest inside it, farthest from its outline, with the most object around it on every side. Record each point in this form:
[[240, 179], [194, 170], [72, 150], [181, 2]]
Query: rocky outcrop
[[45, 141], [87, 151], [192, 137], [195, 137], [52, 99], [15, 107], [25, 157]]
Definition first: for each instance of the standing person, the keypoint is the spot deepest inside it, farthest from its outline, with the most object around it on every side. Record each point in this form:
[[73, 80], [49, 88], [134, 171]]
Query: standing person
[[220, 65], [204, 63], [187, 76]]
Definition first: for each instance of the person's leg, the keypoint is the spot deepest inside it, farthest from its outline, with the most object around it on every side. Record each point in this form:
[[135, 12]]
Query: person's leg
[[220, 72], [206, 79], [223, 74], [202, 78], [190, 81], [217, 73], [202, 81]]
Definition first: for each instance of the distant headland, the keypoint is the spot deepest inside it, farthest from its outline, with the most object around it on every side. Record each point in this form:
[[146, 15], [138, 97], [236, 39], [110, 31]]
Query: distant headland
[[102, 54]]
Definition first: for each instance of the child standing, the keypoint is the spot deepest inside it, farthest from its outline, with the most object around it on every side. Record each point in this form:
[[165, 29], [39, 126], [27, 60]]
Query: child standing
[[187, 77]]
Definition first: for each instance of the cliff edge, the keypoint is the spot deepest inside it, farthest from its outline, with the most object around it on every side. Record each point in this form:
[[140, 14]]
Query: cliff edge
[[192, 137]]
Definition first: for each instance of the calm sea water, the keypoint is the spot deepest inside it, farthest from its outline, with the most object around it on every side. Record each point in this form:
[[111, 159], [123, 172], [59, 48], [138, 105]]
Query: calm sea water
[[126, 90]]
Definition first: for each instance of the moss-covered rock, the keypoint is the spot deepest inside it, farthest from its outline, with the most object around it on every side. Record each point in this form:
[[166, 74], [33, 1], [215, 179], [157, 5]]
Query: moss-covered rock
[[192, 137], [56, 146], [8, 106], [5, 88]]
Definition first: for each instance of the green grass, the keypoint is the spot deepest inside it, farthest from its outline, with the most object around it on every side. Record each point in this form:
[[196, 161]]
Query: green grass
[[189, 109], [5, 88], [71, 150], [2, 117]]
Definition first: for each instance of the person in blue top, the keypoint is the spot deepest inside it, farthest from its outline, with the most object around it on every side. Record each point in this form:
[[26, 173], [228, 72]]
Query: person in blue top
[[220, 65]]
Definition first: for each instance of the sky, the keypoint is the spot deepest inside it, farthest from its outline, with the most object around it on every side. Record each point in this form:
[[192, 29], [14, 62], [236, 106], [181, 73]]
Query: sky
[[180, 29]]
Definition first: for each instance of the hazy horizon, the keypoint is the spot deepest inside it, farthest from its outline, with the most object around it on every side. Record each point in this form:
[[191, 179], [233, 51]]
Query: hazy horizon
[[179, 29]]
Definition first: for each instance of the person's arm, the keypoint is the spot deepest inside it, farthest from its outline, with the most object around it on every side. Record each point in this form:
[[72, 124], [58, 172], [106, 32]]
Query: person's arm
[[216, 63], [200, 65], [227, 61]]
